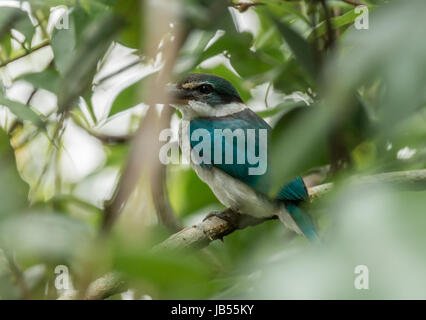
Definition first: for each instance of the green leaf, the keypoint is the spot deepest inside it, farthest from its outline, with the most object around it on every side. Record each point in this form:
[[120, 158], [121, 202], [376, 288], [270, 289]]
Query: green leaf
[[22, 111], [284, 145], [302, 49], [47, 79], [8, 19], [6, 46], [84, 13], [63, 45], [52, 236], [190, 275], [116, 154], [336, 23], [284, 106], [26, 27], [13, 190], [132, 35], [237, 46], [127, 98], [82, 67], [130, 96], [288, 10]]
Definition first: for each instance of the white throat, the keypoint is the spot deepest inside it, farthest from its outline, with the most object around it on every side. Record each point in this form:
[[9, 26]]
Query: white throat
[[196, 109]]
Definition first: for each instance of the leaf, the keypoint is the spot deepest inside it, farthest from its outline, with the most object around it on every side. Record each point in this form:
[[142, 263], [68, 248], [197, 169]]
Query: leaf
[[116, 154], [22, 111], [84, 13], [52, 236], [8, 19], [130, 96], [292, 77], [13, 190], [191, 275], [132, 34], [26, 27], [288, 10], [127, 98], [82, 67], [63, 45], [237, 46], [47, 79], [284, 106], [336, 23], [302, 50], [285, 146], [6, 46]]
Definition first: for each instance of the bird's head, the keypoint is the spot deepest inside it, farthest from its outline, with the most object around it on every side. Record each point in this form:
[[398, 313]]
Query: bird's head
[[205, 95]]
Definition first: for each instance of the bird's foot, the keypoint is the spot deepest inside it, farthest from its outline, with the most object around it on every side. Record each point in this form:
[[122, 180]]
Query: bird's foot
[[230, 216]]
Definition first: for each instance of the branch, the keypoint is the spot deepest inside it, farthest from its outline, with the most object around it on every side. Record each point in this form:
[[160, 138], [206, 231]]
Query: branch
[[161, 201], [100, 289], [219, 225], [38, 47]]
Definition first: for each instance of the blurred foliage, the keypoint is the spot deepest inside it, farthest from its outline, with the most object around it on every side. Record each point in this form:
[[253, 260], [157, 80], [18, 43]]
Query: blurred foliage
[[339, 97]]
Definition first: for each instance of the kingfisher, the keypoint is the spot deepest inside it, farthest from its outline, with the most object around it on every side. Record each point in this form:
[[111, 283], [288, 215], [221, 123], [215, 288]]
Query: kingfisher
[[211, 105]]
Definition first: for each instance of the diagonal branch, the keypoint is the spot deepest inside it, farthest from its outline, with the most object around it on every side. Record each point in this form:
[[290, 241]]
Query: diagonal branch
[[27, 53], [221, 224]]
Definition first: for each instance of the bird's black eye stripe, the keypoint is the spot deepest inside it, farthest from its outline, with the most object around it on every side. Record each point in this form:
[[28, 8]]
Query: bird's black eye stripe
[[205, 88]]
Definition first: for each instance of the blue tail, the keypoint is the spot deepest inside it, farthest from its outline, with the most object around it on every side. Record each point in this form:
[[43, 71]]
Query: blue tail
[[292, 195], [303, 222]]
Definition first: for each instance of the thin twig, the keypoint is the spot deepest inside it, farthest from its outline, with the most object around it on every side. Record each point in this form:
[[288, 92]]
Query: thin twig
[[161, 201], [38, 47], [330, 34], [267, 95], [117, 72]]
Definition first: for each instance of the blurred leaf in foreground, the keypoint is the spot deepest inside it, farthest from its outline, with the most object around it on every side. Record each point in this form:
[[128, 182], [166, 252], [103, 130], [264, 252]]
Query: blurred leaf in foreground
[[13, 191]]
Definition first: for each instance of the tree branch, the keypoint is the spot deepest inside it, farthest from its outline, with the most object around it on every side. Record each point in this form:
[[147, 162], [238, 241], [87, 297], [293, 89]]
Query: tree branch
[[218, 225], [38, 47]]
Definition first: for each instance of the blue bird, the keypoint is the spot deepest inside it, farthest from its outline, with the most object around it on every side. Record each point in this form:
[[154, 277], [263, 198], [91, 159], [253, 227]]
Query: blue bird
[[210, 105]]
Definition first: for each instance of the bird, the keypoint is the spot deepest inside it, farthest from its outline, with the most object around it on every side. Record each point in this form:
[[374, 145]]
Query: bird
[[211, 104]]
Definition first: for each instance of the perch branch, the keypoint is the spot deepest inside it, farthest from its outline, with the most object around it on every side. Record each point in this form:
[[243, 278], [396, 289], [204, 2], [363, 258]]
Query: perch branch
[[212, 228], [219, 225]]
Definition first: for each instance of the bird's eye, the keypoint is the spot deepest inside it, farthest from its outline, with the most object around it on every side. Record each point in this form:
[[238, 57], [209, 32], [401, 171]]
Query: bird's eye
[[205, 88]]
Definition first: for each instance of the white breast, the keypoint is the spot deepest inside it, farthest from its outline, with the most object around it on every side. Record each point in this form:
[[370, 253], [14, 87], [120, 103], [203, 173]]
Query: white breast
[[234, 194]]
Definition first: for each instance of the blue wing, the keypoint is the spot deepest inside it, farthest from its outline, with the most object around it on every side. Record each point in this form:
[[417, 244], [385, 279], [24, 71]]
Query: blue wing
[[243, 120]]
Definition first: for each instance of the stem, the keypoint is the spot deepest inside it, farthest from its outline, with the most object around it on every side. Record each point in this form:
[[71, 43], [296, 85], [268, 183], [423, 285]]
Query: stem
[[38, 47]]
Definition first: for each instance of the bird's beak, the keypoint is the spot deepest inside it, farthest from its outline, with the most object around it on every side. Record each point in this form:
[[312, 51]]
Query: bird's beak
[[177, 95]]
